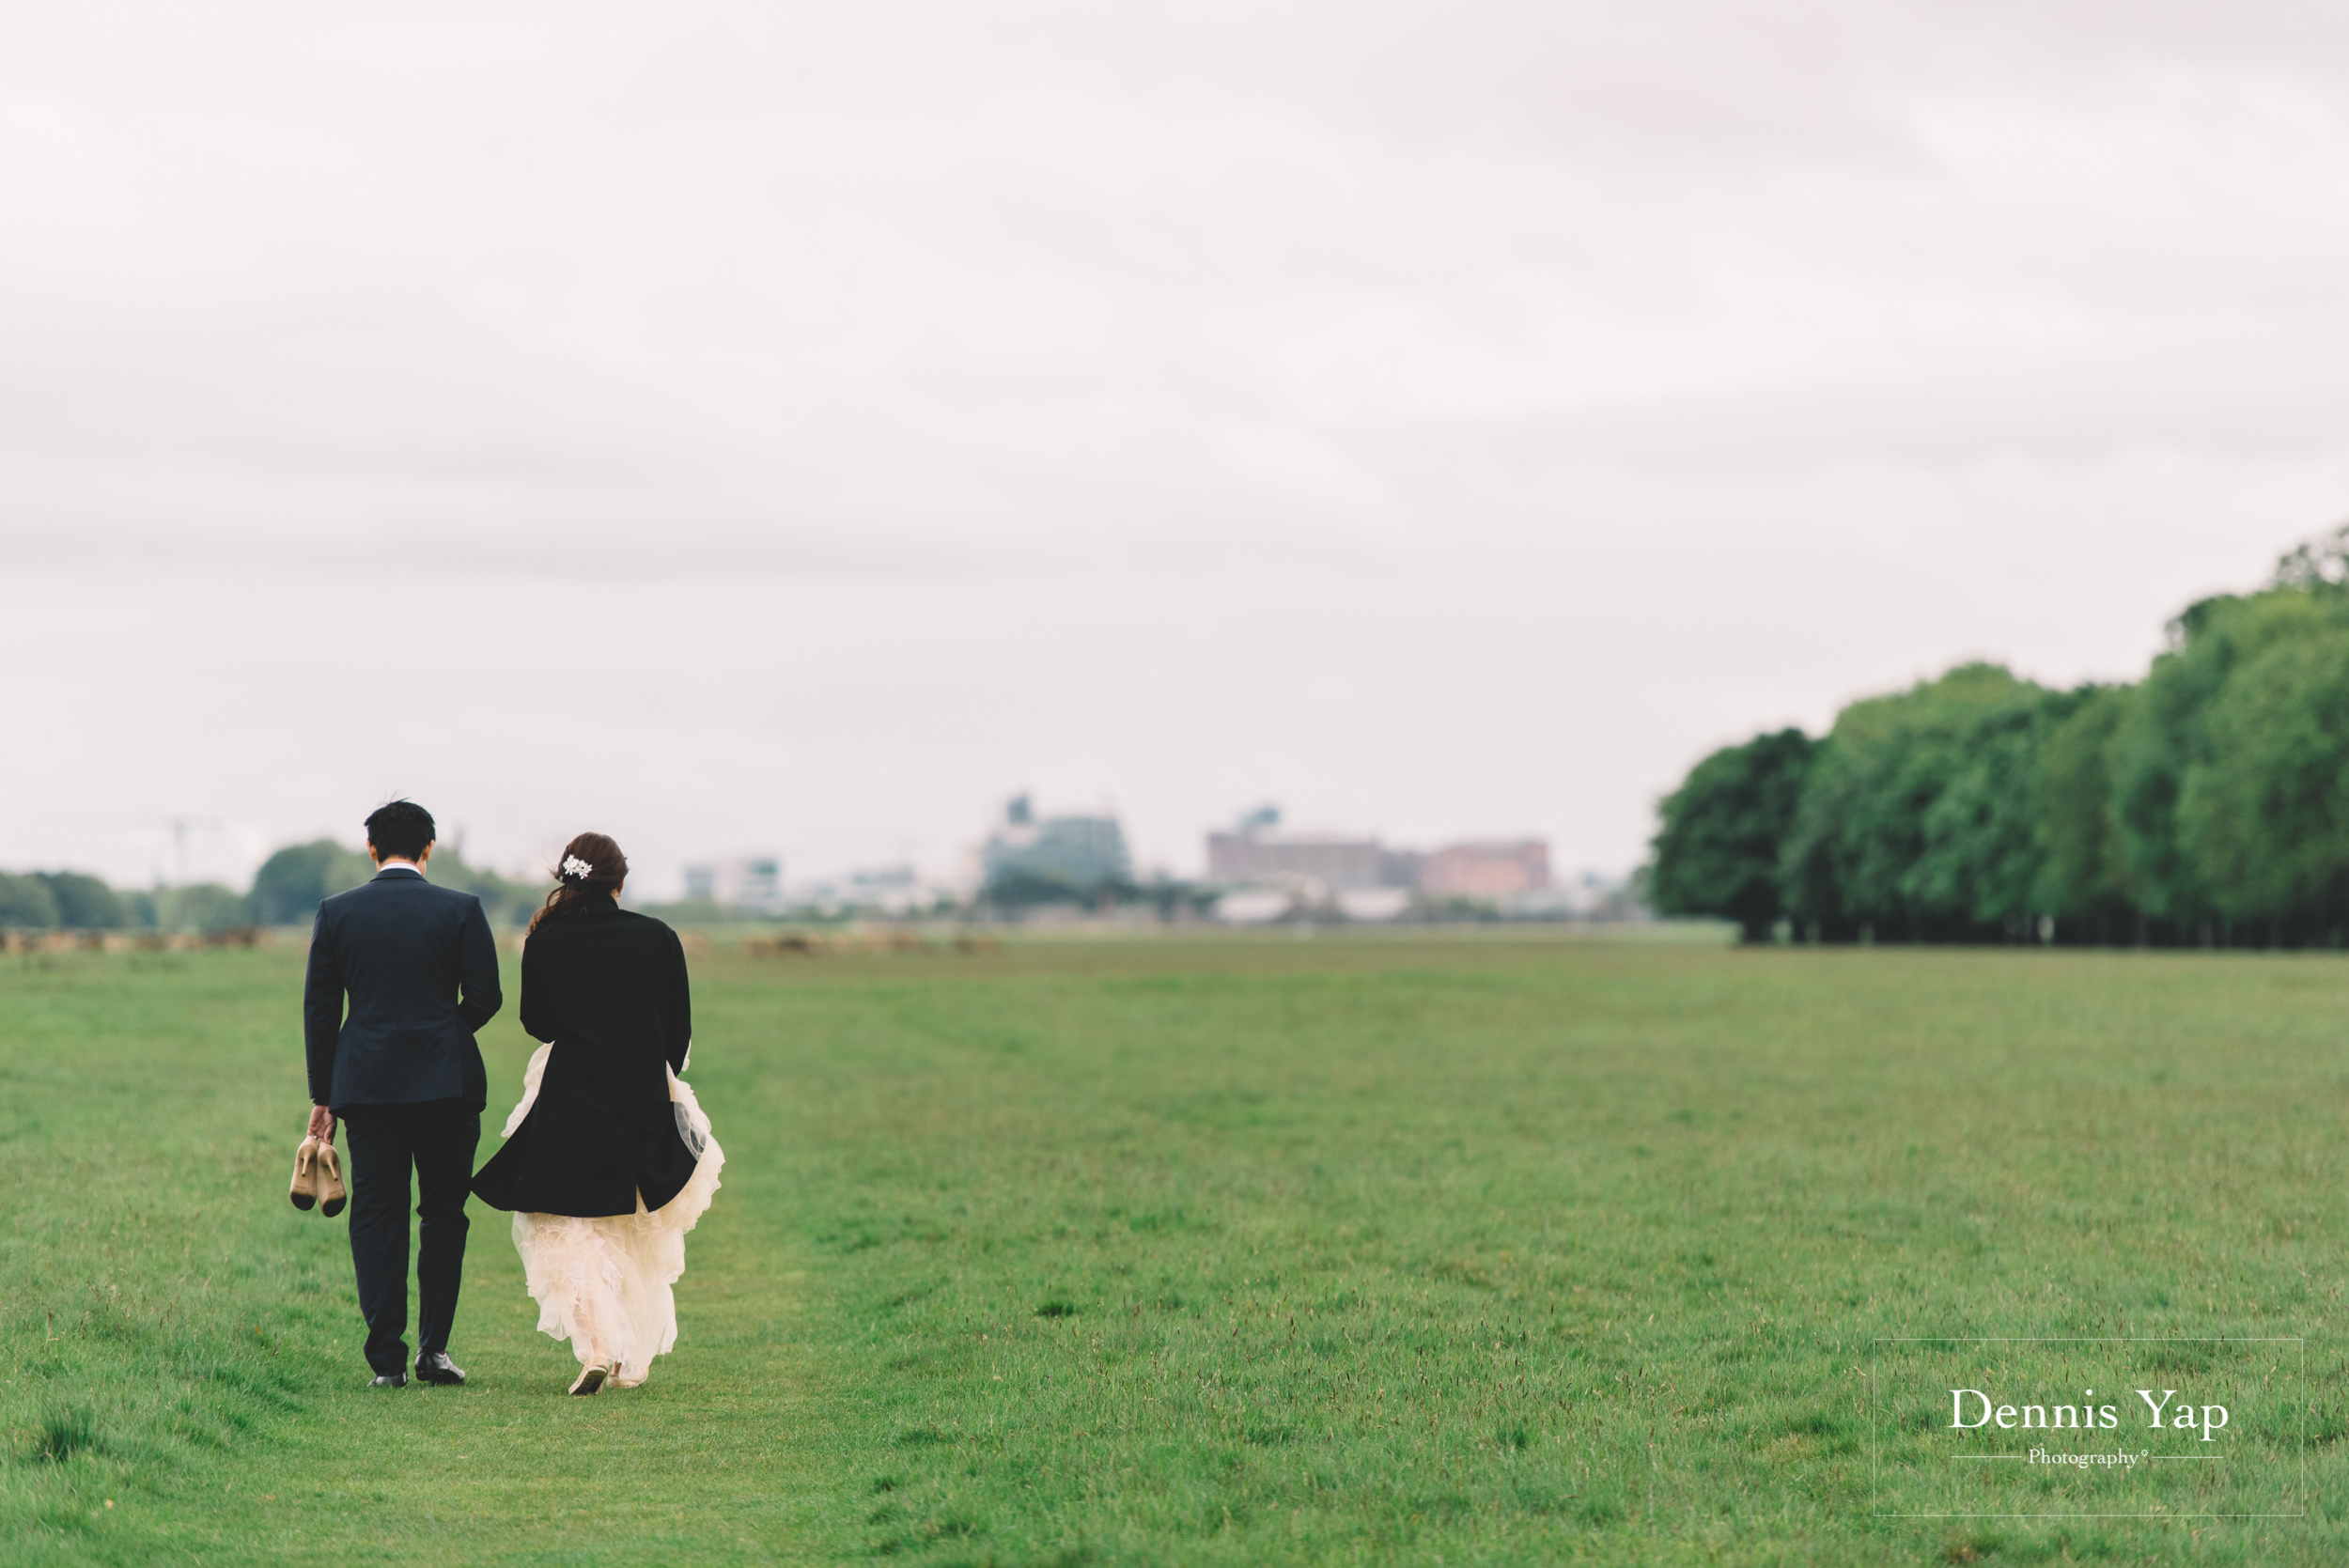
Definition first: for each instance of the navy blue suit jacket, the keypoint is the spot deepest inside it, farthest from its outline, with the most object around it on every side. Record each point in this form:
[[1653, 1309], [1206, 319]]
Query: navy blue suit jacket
[[421, 970]]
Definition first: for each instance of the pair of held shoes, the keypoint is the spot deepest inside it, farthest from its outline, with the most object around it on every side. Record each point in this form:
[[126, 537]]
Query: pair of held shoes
[[433, 1368], [318, 1178]]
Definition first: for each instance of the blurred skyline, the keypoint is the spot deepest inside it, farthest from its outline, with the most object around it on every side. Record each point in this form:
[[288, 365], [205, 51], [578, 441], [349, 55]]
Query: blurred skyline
[[764, 428]]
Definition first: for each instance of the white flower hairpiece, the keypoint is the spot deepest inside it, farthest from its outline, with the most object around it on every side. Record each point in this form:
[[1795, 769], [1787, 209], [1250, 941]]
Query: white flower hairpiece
[[574, 866]]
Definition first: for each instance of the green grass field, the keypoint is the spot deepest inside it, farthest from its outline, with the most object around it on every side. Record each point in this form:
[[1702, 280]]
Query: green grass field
[[1238, 1251]]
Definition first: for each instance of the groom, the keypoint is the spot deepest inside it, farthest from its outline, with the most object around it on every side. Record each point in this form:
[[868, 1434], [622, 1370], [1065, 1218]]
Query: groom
[[403, 1072]]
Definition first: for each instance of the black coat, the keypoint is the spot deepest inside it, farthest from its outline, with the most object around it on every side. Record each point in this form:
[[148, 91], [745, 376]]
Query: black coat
[[421, 970], [607, 988]]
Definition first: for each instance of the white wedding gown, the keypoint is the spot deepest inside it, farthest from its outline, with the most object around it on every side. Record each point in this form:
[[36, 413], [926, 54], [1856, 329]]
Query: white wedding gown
[[603, 1284]]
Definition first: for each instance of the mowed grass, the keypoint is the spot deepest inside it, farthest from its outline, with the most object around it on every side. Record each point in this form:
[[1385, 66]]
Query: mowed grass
[[1232, 1251]]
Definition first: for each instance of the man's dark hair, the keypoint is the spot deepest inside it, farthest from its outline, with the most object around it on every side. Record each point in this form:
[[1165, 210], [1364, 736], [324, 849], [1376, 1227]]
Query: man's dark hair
[[399, 828]]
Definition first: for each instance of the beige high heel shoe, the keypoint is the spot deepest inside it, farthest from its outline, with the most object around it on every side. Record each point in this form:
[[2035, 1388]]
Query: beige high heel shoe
[[329, 1181], [591, 1378], [305, 1175]]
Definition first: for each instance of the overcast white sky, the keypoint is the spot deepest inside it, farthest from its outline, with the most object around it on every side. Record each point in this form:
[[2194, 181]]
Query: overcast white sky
[[794, 429]]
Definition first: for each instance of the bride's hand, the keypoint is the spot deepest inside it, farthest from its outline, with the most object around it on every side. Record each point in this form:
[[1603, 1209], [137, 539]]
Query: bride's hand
[[321, 1122]]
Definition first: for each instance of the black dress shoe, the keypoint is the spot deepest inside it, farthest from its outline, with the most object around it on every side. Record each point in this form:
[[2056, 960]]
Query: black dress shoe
[[438, 1368], [390, 1380]]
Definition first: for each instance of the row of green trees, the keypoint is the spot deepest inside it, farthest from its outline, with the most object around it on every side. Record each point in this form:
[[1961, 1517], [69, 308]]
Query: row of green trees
[[2205, 804], [287, 891], [47, 901]]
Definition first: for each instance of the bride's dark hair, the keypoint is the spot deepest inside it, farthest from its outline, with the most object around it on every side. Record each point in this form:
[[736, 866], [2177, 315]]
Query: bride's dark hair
[[592, 867]]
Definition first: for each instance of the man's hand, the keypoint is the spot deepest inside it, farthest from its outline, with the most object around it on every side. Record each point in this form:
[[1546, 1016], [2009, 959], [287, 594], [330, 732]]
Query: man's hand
[[321, 1122]]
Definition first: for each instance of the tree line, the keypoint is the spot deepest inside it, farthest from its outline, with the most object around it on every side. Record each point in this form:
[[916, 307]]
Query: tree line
[[287, 891], [2206, 804]]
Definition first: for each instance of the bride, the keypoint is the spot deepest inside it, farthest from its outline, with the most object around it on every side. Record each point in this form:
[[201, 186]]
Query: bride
[[608, 1160]]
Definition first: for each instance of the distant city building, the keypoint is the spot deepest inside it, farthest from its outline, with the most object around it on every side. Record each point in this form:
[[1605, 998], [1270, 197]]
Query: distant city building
[[1081, 853], [1345, 869], [1331, 860], [891, 890], [747, 882], [1372, 903], [1257, 850], [1254, 906], [1485, 870]]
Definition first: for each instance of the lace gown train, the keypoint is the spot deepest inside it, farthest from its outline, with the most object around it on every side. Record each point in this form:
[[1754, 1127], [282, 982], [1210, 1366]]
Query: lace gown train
[[603, 1284]]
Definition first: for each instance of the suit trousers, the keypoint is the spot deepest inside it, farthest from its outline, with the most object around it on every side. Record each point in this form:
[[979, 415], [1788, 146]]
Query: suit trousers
[[437, 1138]]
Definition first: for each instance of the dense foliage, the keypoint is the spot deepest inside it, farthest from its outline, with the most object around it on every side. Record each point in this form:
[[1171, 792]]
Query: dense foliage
[[2208, 804], [291, 883], [1718, 851], [26, 904], [287, 891]]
